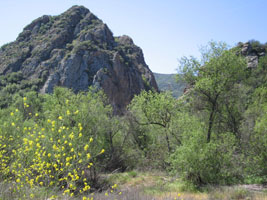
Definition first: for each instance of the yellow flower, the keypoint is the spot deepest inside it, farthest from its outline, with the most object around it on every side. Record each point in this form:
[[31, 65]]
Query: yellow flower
[[71, 136], [55, 147], [80, 134], [52, 197], [102, 151], [67, 191], [18, 180], [36, 114], [60, 118], [88, 156], [90, 164], [86, 147], [11, 113], [25, 98], [38, 145], [13, 124], [91, 140]]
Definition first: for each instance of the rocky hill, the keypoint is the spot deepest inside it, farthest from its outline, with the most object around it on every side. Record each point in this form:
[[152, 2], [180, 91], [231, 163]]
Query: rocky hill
[[74, 50]]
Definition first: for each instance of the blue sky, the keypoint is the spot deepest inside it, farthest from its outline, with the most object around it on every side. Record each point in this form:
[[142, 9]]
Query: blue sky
[[166, 30]]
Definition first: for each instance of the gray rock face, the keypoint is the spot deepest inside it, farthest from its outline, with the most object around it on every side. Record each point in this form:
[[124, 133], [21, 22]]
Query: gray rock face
[[252, 61], [252, 55], [77, 50]]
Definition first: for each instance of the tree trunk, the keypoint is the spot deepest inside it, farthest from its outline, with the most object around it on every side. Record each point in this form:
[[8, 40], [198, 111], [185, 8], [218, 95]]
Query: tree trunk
[[168, 142], [211, 119]]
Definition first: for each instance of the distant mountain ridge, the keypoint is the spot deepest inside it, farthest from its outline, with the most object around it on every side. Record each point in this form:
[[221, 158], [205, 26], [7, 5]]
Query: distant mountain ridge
[[74, 50], [168, 82]]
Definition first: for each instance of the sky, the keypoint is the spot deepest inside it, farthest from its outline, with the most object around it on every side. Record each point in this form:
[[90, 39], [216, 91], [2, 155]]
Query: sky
[[166, 30]]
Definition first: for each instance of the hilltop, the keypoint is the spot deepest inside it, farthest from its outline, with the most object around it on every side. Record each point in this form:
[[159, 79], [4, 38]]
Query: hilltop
[[74, 50]]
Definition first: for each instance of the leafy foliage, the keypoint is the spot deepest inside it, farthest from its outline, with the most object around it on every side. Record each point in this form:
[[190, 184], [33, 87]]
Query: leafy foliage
[[206, 163], [213, 134], [55, 140], [152, 114], [222, 97], [212, 82]]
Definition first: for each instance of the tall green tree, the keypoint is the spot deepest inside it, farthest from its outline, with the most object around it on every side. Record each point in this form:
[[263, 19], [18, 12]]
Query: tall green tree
[[212, 78]]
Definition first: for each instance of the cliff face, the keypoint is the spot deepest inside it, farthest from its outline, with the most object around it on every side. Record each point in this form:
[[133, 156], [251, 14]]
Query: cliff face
[[77, 50]]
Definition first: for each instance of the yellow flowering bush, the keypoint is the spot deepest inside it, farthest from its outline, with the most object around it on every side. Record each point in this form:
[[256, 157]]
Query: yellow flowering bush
[[55, 145]]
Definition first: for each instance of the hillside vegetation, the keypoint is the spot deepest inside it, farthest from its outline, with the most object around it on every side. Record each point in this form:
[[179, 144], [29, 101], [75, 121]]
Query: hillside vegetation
[[67, 143], [169, 82]]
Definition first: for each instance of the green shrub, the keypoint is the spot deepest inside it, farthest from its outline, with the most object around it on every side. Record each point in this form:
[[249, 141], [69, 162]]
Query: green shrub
[[200, 162]]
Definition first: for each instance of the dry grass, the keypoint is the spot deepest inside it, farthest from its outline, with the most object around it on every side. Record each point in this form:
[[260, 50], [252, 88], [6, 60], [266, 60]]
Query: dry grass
[[150, 186]]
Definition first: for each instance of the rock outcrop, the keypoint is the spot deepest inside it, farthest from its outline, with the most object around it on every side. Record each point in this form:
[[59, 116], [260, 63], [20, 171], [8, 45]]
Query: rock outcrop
[[252, 54], [77, 50]]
